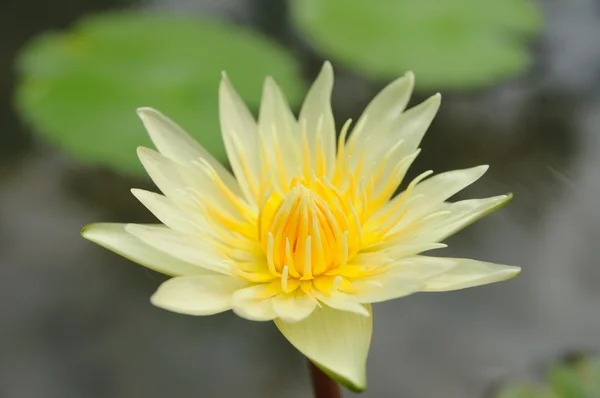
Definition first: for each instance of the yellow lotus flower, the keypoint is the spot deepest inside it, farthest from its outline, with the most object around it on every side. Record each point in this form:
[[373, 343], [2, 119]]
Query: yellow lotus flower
[[306, 232]]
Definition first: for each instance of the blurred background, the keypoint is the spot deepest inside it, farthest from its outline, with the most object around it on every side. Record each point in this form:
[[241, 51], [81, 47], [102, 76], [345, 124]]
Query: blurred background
[[520, 80]]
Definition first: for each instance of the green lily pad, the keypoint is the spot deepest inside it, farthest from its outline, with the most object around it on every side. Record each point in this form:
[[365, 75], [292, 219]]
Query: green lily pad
[[448, 44], [80, 89]]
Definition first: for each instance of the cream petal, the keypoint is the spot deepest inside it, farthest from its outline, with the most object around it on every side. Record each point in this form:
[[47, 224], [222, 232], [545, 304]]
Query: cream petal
[[336, 341], [114, 237], [173, 142], [279, 133], [459, 215], [197, 294], [465, 213], [385, 287], [343, 302], [293, 307], [395, 250], [167, 175], [165, 210], [174, 179], [186, 247], [469, 273], [444, 185], [255, 303], [421, 268], [403, 278], [316, 117], [240, 136], [410, 126], [428, 195], [379, 115], [453, 218], [401, 140], [179, 182]]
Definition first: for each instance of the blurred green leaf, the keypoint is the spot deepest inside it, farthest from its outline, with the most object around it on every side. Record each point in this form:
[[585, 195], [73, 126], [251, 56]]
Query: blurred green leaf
[[80, 89], [525, 391], [578, 378], [565, 382], [448, 44], [573, 378]]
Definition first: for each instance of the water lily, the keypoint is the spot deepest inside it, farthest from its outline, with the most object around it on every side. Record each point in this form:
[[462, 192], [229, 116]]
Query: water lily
[[307, 231]]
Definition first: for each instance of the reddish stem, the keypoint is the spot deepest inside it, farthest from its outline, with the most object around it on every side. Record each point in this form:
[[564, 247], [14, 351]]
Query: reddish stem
[[323, 385]]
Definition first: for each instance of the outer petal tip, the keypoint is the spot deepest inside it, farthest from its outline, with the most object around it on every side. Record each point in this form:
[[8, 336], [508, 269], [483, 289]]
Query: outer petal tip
[[480, 170], [355, 385], [429, 107], [142, 150], [269, 83], [409, 77], [325, 76], [469, 273], [146, 111], [509, 273], [406, 84], [147, 154], [225, 82], [503, 200], [85, 231], [95, 231], [336, 341]]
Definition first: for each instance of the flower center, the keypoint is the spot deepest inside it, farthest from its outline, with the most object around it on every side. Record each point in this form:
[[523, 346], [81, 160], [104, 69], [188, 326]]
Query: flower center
[[308, 231]]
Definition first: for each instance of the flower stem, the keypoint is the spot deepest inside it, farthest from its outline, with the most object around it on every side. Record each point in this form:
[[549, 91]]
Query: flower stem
[[323, 385]]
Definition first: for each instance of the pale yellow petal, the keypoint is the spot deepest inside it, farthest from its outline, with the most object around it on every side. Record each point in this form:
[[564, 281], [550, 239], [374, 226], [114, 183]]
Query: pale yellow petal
[[336, 341], [240, 136], [180, 182], [343, 302], [401, 139], [316, 117], [403, 277], [279, 134], [173, 142], [113, 236], [168, 176], [466, 212], [197, 294], [377, 119], [410, 126], [469, 273], [398, 249], [187, 247], [421, 268], [444, 185], [384, 288], [255, 303], [165, 210], [293, 307], [430, 194], [459, 215]]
